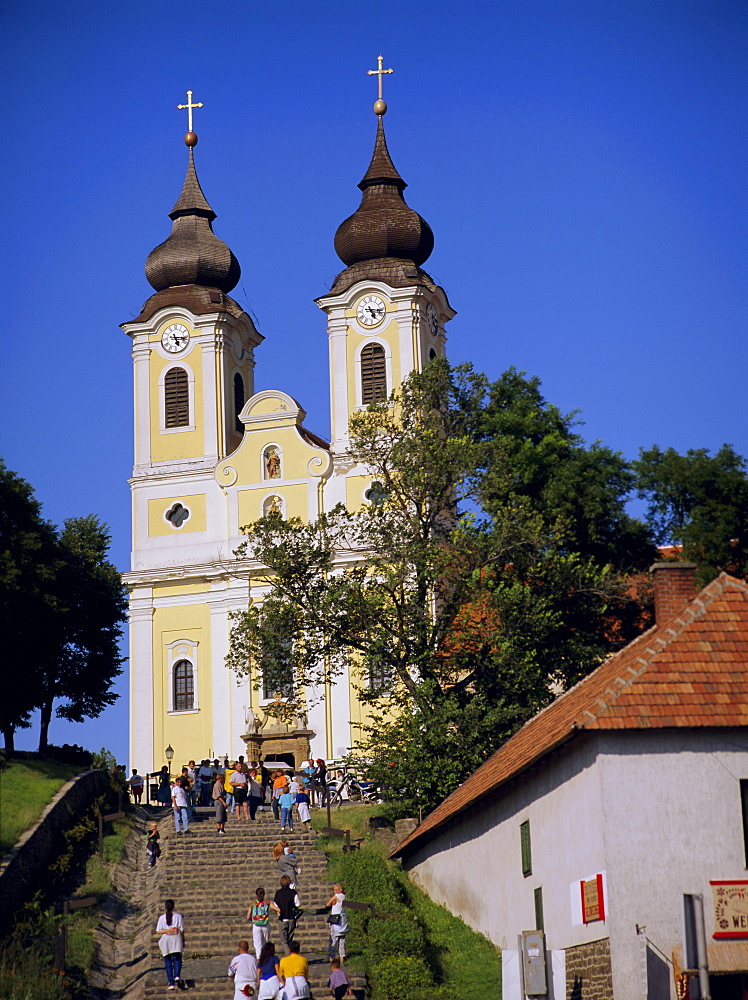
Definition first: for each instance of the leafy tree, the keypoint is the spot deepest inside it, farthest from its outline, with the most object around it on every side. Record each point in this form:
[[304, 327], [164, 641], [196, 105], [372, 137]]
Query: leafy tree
[[61, 603], [28, 561], [579, 491], [698, 501], [460, 625], [90, 606]]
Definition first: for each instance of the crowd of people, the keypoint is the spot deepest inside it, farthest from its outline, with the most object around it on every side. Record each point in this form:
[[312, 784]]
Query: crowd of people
[[238, 788]]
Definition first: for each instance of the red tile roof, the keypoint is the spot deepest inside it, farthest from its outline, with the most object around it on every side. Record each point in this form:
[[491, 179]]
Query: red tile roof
[[690, 671]]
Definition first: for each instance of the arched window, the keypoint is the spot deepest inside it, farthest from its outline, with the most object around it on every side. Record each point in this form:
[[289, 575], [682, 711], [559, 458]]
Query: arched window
[[238, 401], [176, 398], [184, 686], [373, 374]]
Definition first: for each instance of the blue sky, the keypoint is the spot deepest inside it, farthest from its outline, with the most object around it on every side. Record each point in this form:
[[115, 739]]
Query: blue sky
[[582, 165]]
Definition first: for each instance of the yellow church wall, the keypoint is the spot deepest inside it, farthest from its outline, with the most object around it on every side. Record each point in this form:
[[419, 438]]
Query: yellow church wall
[[360, 713], [355, 487], [250, 502], [189, 733], [177, 589], [197, 521], [176, 443], [270, 404]]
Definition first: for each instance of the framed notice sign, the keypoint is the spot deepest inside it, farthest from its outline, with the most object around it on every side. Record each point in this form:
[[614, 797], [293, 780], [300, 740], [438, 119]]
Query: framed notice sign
[[730, 908], [593, 899]]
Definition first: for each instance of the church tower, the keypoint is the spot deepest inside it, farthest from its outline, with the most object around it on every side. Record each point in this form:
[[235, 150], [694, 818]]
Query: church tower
[[386, 316], [193, 356]]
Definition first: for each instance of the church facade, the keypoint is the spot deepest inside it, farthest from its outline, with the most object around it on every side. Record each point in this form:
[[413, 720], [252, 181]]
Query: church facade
[[212, 455]]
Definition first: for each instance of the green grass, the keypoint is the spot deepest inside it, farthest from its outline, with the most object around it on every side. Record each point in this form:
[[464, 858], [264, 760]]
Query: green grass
[[461, 961], [348, 817], [26, 787], [468, 961]]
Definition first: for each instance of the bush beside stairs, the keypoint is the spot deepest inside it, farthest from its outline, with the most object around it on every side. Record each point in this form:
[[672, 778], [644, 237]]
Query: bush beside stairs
[[212, 879]]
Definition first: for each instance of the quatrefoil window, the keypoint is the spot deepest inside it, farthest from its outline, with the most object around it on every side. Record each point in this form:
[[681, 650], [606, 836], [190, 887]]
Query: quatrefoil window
[[376, 494], [177, 515]]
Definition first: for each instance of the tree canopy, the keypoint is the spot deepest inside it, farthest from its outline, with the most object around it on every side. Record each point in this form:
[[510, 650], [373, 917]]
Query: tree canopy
[[699, 502], [62, 607], [477, 582]]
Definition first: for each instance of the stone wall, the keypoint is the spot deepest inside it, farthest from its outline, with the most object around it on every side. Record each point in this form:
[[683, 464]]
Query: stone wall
[[23, 869], [588, 971]]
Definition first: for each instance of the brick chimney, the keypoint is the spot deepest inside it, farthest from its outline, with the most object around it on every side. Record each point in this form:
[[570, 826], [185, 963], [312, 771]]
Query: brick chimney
[[674, 587]]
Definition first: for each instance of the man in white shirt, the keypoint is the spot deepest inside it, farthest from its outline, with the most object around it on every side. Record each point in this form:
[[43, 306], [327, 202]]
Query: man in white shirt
[[179, 805], [243, 968]]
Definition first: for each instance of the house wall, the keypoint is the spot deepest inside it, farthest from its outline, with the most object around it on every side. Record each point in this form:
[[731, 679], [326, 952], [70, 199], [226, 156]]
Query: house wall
[[656, 812], [673, 821]]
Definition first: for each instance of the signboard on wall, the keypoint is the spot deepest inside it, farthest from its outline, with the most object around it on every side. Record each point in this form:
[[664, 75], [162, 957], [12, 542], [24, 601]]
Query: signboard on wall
[[593, 899], [730, 898]]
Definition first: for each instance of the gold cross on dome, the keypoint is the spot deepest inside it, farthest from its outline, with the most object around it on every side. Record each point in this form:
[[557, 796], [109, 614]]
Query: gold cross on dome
[[189, 106], [380, 73]]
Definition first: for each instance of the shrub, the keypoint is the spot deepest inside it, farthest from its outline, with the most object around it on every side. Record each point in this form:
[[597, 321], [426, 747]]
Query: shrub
[[402, 976], [70, 754], [400, 934], [368, 878]]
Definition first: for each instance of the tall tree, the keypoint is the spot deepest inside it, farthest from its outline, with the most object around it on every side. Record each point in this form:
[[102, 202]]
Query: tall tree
[[28, 564], [91, 604], [700, 502], [580, 491], [461, 620]]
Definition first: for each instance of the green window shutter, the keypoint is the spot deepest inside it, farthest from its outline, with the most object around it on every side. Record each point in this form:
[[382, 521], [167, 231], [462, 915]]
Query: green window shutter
[[524, 837], [539, 923]]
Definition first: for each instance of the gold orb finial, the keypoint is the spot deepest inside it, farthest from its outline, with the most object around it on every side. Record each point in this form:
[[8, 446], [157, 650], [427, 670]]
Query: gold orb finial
[[190, 139], [380, 108]]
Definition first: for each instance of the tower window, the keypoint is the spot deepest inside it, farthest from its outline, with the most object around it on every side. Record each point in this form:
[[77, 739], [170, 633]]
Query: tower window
[[380, 679], [238, 401], [176, 398], [373, 374], [184, 686]]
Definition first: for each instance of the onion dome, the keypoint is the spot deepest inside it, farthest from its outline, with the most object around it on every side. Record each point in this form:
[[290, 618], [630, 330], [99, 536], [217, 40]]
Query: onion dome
[[383, 226], [193, 254]]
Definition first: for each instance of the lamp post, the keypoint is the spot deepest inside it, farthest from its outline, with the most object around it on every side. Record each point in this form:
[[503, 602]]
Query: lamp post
[[169, 754]]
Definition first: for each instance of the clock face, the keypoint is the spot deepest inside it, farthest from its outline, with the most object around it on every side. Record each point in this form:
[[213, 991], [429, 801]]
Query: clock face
[[371, 310], [431, 319], [175, 338]]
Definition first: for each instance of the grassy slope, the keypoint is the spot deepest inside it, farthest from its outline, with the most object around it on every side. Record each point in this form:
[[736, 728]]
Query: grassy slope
[[467, 963], [26, 787]]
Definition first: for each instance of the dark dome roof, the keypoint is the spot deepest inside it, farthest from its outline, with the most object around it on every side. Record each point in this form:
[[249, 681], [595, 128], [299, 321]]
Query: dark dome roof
[[193, 254], [383, 225]]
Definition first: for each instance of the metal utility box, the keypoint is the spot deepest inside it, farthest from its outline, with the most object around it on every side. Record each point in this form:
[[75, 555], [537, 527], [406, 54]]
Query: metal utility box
[[533, 963]]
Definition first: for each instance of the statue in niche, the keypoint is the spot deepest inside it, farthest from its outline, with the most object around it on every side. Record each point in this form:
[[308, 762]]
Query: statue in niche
[[272, 463], [273, 505]]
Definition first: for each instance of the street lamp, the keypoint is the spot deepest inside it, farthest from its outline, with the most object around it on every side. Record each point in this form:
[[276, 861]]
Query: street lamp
[[169, 754]]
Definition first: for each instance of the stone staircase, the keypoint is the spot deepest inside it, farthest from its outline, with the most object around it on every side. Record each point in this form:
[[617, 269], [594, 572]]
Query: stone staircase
[[212, 880]]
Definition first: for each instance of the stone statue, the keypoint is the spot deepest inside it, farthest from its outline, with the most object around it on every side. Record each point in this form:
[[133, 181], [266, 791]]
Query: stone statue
[[272, 463], [250, 720]]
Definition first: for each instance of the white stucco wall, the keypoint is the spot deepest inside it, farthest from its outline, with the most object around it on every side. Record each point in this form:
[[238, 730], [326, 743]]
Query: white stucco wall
[[658, 812]]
